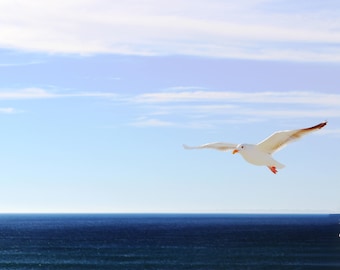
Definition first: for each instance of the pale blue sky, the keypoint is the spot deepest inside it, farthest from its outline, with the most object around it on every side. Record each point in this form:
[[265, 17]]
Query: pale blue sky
[[97, 98]]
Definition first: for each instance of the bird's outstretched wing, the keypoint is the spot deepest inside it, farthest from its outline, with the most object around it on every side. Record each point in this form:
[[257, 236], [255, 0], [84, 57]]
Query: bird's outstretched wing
[[216, 145], [280, 139]]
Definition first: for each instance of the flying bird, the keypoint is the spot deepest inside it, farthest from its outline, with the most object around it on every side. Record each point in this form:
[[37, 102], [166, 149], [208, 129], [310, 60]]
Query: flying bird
[[261, 154]]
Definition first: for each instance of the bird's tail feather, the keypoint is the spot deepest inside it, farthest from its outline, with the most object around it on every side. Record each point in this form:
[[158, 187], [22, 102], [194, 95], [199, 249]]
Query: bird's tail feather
[[279, 165]]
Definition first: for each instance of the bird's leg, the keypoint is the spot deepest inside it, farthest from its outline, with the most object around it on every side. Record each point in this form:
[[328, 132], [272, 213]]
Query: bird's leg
[[273, 169]]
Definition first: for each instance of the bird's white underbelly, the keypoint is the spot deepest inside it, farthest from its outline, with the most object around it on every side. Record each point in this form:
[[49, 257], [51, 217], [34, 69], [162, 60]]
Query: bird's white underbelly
[[261, 159]]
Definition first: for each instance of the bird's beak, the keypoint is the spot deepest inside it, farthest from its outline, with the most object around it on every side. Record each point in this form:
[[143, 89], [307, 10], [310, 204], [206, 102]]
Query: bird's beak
[[235, 151]]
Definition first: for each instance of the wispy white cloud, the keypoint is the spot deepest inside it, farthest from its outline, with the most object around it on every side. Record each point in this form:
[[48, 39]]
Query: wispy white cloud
[[312, 98], [19, 64], [34, 93], [26, 93], [151, 122], [244, 29], [212, 108], [184, 88], [40, 93], [8, 110], [192, 108]]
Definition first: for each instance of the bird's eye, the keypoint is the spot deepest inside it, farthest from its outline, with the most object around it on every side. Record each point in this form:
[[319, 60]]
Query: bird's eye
[[242, 146]]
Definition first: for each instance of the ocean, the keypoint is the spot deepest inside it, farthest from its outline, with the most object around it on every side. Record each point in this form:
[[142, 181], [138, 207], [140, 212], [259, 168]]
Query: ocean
[[169, 241]]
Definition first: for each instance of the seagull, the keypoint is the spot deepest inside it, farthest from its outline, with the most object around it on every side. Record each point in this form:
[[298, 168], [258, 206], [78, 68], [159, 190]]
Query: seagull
[[261, 154]]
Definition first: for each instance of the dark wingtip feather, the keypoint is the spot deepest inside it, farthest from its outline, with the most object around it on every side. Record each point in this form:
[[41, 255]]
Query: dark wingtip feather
[[319, 126]]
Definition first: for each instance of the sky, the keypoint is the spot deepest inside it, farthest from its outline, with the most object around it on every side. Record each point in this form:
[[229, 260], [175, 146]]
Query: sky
[[97, 98]]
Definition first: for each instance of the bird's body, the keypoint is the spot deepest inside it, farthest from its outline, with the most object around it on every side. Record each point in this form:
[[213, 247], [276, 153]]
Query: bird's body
[[254, 155], [261, 154]]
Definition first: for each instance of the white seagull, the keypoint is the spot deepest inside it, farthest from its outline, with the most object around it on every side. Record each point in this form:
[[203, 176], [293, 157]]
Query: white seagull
[[261, 154]]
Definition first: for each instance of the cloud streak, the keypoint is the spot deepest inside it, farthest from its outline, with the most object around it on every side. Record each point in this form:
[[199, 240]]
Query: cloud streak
[[311, 98], [188, 107], [208, 109], [151, 122], [8, 110], [20, 64], [244, 29], [34, 93], [40, 93]]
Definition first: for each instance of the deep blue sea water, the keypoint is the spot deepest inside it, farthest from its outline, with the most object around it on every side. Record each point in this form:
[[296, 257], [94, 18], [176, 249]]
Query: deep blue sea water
[[143, 241]]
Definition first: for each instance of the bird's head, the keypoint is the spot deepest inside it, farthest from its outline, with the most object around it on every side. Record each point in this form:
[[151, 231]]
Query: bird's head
[[239, 148]]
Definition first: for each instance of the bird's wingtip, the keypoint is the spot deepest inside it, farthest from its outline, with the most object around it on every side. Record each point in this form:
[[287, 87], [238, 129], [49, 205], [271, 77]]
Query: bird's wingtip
[[322, 124], [185, 146], [318, 126]]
